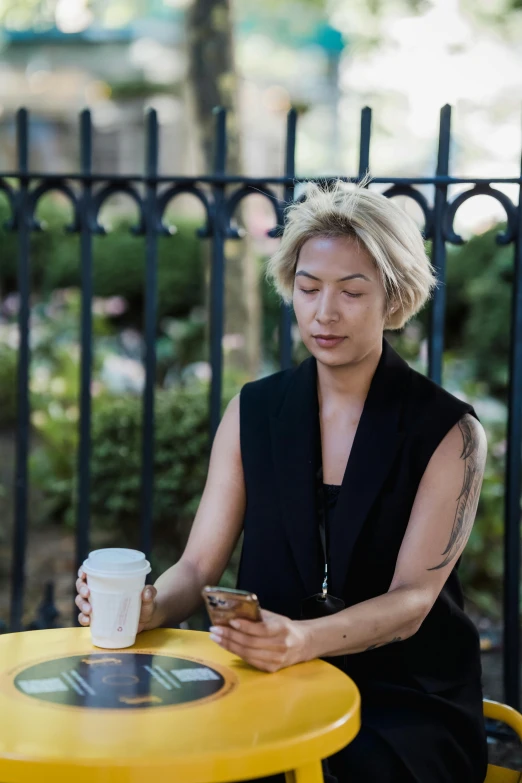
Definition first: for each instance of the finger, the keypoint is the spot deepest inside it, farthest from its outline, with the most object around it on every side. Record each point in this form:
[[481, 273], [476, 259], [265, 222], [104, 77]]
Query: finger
[[267, 615], [147, 610], [82, 588], [274, 622], [84, 606], [81, 573], [265, 666], [149, 594], [147, 605], [83, 619], [264, 657], [261, 629], [225, 634]]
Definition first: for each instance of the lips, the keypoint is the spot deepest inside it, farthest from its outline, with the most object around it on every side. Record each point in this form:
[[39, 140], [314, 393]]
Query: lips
[[328, 340]]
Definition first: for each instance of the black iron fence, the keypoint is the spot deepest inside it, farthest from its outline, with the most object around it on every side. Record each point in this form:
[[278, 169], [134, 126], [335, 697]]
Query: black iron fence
[[220, 195]]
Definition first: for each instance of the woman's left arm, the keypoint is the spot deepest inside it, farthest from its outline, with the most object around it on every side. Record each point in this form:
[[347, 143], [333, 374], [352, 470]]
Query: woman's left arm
[[438, 529]]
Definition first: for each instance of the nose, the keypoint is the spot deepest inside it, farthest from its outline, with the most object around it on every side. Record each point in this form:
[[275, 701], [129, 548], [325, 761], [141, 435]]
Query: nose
[[326, 308]]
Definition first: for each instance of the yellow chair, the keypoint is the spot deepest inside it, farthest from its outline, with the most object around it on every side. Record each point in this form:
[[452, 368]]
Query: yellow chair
[[513, 719]]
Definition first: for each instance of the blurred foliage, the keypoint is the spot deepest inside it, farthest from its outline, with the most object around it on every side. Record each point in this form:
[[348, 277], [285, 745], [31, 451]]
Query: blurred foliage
[[27, 14], [136, 89], [181, 432], [479, 291], [54, 372], [8, 385], [271, 305], [180, 466], [182, 342], [118, 262]]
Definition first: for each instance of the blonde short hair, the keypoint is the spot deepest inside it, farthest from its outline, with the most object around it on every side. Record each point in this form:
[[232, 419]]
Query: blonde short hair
[[388, 234]]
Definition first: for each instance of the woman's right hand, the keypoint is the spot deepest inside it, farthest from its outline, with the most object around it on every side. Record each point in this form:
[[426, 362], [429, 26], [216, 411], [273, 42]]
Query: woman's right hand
[[149, 617]]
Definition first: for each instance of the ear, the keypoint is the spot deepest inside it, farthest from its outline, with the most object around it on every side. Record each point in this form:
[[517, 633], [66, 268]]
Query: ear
[[391, 308]]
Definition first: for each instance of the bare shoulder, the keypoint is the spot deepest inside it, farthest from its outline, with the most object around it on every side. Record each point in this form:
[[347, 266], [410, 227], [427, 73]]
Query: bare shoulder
[[452, 482], [219, 518], [466, 441], [227, 435], [232, 410]]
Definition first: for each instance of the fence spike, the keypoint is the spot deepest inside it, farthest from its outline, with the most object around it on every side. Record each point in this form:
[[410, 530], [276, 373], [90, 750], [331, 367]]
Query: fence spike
[[364, 146]]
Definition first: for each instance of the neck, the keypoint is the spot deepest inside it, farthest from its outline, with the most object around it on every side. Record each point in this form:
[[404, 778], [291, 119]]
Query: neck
[[348, 382]]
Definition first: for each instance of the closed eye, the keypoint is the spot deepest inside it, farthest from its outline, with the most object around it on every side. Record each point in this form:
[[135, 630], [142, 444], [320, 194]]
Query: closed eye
[[355, 296], [309, 290]]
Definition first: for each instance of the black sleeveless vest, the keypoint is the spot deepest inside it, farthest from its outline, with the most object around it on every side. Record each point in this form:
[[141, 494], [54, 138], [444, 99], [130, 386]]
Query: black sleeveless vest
[[404, 419]]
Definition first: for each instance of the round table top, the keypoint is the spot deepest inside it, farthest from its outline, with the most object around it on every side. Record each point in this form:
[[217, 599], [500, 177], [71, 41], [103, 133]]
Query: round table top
[[175, 706]]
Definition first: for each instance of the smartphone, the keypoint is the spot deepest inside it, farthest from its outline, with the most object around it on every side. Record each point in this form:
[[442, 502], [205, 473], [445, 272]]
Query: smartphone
[[225, 604]]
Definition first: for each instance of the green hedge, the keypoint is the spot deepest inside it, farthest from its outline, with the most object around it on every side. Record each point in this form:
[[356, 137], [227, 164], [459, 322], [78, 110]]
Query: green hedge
[[479, 289], [180, 467], [118, 263], [8, 385]]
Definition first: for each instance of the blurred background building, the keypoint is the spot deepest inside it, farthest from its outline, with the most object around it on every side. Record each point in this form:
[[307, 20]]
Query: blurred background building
[[405, 58], [119, 64]]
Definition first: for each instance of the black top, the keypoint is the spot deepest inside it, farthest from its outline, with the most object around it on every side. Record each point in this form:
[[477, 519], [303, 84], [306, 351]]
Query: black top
[[422, 694], [331, 493], [329, 499]]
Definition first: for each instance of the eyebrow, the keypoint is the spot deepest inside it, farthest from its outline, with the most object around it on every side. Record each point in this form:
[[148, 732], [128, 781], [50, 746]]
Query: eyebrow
[[302, 273]]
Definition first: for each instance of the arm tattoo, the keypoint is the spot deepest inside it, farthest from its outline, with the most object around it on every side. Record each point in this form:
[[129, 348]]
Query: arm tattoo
[[373, 646], [467, 501]]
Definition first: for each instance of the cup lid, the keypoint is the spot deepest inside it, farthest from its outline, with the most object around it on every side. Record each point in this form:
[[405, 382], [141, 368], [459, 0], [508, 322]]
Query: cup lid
[[116, 561]]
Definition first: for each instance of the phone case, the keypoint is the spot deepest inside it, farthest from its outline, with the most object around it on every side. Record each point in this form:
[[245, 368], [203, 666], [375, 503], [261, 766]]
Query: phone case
[[224, 605]]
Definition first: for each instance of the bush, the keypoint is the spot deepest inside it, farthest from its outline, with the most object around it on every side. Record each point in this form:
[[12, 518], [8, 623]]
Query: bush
[[479, 282], [180, 467], [118, 263], [180, 460], [8, 385]]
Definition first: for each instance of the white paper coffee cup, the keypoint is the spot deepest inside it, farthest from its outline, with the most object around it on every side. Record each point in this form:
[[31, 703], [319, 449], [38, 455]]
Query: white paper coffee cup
[[116, 578]]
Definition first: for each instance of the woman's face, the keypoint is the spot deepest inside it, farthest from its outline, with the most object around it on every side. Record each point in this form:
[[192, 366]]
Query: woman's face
[[339, 300]]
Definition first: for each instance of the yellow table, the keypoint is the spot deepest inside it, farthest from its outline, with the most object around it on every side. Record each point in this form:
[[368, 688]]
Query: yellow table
[[175, 708]]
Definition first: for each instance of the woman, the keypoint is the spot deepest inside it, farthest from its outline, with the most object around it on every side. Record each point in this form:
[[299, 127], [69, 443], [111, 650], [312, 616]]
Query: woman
[[387, 464]]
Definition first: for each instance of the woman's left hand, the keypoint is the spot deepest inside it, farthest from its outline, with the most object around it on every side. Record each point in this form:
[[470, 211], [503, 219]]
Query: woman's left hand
[[270, 645]]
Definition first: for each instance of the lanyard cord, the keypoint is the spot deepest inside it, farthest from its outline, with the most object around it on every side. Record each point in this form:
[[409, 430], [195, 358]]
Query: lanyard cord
[[321, 511]]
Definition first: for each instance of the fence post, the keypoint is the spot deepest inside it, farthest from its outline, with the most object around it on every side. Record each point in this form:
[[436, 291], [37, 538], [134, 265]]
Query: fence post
[[84, 447], [151, 309], [512, 511], [438, 306], [217, 272], [364, 146], [285, 322], [23, 423]]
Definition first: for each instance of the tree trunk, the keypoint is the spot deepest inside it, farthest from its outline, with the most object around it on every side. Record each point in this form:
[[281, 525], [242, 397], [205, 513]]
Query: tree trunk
[[213, 82]]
